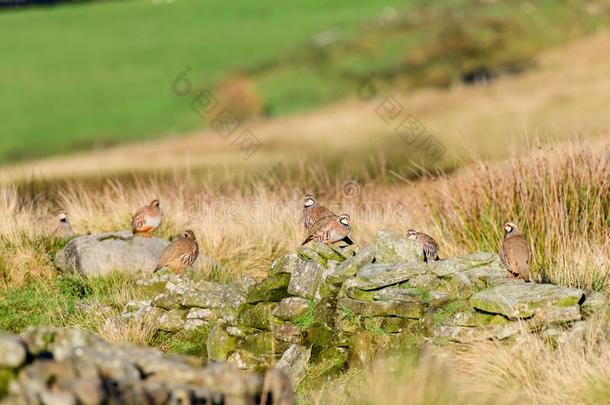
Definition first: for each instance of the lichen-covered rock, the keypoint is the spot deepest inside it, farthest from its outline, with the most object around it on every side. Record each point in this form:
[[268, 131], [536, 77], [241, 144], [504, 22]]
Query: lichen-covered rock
[[594, 302], [394, 248], [272, 288], [352, 265], [260, 343], [78, 367], [12, 352], [286, 264], [291, 308], [206, 314], [551, 316], [523, 300], [308, 254], [459, 264], [474, 319], [103, 253], [259, 316], [294, 363], [173, 320], [167, 300], [465, 334], [306, 279], [375, 276], [241, 331], [413, 310], [362, 349], [327, 362], [327, 252], [220, 344], [288, 333], [207, 294]]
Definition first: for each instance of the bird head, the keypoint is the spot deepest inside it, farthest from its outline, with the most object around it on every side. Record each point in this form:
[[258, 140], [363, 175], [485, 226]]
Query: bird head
[[188, 234], [156, 204], [309, 201], [510, 229], [62, 215], [412, 234], [344, 219]]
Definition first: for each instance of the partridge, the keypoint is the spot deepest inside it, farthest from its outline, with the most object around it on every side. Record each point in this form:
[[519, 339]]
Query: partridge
[[312, 212], [63, 229], [147, 219], [330, 229], [515, 253], [180, 254], [427, 244]]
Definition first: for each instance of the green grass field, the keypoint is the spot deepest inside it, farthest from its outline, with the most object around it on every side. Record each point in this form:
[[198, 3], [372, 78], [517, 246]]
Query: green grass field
[[92, 75]]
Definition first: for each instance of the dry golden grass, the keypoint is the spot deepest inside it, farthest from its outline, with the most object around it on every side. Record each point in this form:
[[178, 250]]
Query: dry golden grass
[[558, 195], [567, 94]]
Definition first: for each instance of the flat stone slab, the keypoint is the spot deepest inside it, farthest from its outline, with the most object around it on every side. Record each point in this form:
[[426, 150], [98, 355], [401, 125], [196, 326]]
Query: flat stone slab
[[374, 276], [207, 294], [392, 247], [103, 253], [412, 310], [458, 264], [524, 300]]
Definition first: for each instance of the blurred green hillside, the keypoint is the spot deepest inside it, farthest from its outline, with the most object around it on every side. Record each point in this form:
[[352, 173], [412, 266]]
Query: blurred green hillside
[[91, 75]]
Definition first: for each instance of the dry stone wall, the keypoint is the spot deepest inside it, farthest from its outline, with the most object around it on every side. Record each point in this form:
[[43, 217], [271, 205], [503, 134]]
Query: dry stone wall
[[323, 308]]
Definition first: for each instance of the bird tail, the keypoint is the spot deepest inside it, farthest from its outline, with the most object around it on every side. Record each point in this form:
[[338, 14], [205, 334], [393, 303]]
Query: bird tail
[[309, 239], [159, 267], [348, 240]]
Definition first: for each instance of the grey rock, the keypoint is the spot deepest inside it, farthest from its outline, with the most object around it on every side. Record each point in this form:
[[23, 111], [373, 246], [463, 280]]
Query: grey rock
[[594, 302], [459, 264], [291, 308], [374, 276], [523, 300], [286, 264], [306, 279], [207, 294], [12, 352], [352, 265], [548, 316], [464, 334], [393, 248], [412, 310], [101, 254], [173, 320], [294, 363], [205, 314]]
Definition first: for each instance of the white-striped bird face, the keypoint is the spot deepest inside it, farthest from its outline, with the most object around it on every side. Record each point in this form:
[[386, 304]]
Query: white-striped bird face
[[510, 228], [188, 234], [309, 201], [63, 217], [412, 234], [156, 204], [344, 220]]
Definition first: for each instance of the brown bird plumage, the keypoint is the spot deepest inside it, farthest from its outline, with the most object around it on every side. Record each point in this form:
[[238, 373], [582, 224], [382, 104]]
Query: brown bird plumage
[[515, 253], [180, 254], [63, 229], [147, 219], [313, 212], [426, 242], [330, 229]]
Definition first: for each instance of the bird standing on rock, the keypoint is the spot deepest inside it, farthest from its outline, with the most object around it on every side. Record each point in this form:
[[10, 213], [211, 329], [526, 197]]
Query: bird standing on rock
[[330, 229], [312, 212], [147, 219], [180, 254], [515, 253], [63, 229], [426, 242]]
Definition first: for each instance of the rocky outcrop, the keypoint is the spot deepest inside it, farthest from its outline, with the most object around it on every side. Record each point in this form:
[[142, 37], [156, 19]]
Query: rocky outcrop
[[70, 366], [323, 309], [100, 254]]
